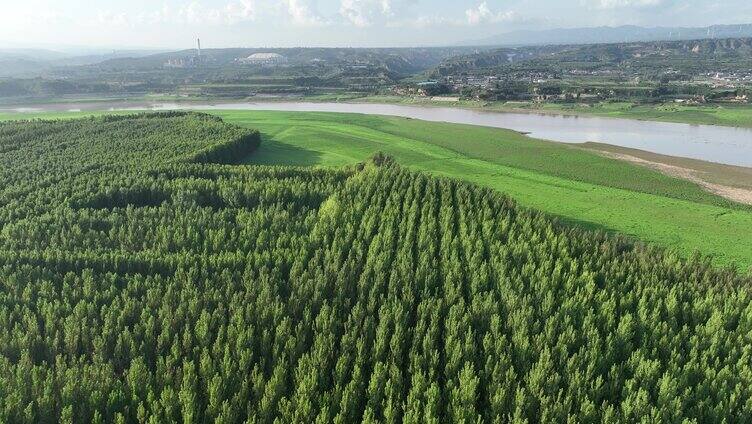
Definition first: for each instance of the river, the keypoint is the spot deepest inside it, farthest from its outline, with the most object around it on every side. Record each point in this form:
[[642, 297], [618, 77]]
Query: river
[[727, 145]]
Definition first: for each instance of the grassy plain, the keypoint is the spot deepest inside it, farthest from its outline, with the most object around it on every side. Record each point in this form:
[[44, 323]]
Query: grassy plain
[[574, 184], [727, 115]]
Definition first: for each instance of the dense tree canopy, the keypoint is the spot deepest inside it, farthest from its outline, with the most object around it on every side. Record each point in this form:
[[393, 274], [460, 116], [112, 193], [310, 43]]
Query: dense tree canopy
[[143, 278]]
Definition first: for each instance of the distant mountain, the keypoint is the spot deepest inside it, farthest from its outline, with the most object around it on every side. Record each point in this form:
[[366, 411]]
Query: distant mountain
[[645, 58], [92, 59], [621, 34], [36, 62], [402, 61], [14, 66], [32, 54]]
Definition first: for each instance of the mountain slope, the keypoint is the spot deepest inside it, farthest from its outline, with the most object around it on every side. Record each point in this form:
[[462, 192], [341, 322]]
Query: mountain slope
[[621, 34]]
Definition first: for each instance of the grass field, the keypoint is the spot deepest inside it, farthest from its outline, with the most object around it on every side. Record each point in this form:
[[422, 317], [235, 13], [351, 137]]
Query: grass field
[[574, 184], [347, 138], [727, 115]]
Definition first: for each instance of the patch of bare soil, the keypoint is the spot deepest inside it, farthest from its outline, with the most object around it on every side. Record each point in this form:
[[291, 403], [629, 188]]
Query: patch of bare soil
[[739, 195]]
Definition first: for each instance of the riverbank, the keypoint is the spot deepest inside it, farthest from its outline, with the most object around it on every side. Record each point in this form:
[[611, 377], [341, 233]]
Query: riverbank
[[629, 140], [719, 144], [730, 115], [730, 182]]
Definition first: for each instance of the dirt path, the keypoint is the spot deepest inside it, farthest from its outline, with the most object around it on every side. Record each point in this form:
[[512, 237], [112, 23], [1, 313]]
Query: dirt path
[[740, 195]]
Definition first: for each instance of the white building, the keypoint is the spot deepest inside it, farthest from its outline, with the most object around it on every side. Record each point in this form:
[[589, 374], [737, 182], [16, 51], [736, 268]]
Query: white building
[[264, 59]]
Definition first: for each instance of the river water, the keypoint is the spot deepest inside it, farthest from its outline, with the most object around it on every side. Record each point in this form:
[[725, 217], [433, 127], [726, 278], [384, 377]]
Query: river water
[[718, 144]]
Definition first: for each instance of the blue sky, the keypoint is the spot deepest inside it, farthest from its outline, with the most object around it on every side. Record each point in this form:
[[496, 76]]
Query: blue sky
[[251, 23]]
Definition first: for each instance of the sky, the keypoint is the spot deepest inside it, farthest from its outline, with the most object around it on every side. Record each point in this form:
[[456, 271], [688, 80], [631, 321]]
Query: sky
[[346, 23]]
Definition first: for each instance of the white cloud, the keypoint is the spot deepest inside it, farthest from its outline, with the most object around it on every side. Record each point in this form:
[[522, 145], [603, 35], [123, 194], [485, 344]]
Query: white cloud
[[617, 4], [242, 10], [108, 18], [196, 13], [191, 13], [354, 11], [297, 12], [155, 17], [29, 13], [363, 13], [301, 13], [483, 14], [233, 12], [430, 21]]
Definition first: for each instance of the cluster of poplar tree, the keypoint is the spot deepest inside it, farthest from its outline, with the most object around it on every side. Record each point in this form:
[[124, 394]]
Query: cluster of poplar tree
[[139, 283]]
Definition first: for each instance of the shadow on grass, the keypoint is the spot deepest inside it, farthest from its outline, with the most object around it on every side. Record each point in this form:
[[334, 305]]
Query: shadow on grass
[[273, 152], [585, 225]]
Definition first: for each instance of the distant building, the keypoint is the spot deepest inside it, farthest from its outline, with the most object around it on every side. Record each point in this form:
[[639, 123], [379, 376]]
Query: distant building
[[267, 59], [186, 62], [190, 62]]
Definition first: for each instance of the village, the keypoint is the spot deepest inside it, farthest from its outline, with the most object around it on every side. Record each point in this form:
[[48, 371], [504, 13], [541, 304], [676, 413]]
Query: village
[[584, 86]]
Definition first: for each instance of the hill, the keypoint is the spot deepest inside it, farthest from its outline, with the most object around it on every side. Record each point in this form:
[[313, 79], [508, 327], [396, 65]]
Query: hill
[[620, 34], [15, 66], [141, 280], [218, 72], [691, 57], [24, 63], [401, 61]]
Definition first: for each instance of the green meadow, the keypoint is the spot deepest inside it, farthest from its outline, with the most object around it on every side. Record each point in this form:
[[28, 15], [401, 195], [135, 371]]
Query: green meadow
[[727, 115], [574, 184]]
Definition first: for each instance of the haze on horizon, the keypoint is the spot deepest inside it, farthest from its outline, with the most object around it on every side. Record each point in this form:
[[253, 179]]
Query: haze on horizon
[[355, 23]]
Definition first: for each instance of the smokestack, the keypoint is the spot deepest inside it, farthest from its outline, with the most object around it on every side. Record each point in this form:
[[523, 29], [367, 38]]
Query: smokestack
[[198, 42]]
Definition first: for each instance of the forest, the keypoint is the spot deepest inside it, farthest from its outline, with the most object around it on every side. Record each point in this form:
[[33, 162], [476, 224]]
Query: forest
[[147, 276]]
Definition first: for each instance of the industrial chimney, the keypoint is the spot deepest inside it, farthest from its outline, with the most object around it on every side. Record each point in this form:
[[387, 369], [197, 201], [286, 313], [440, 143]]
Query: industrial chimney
[[198, 42]]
